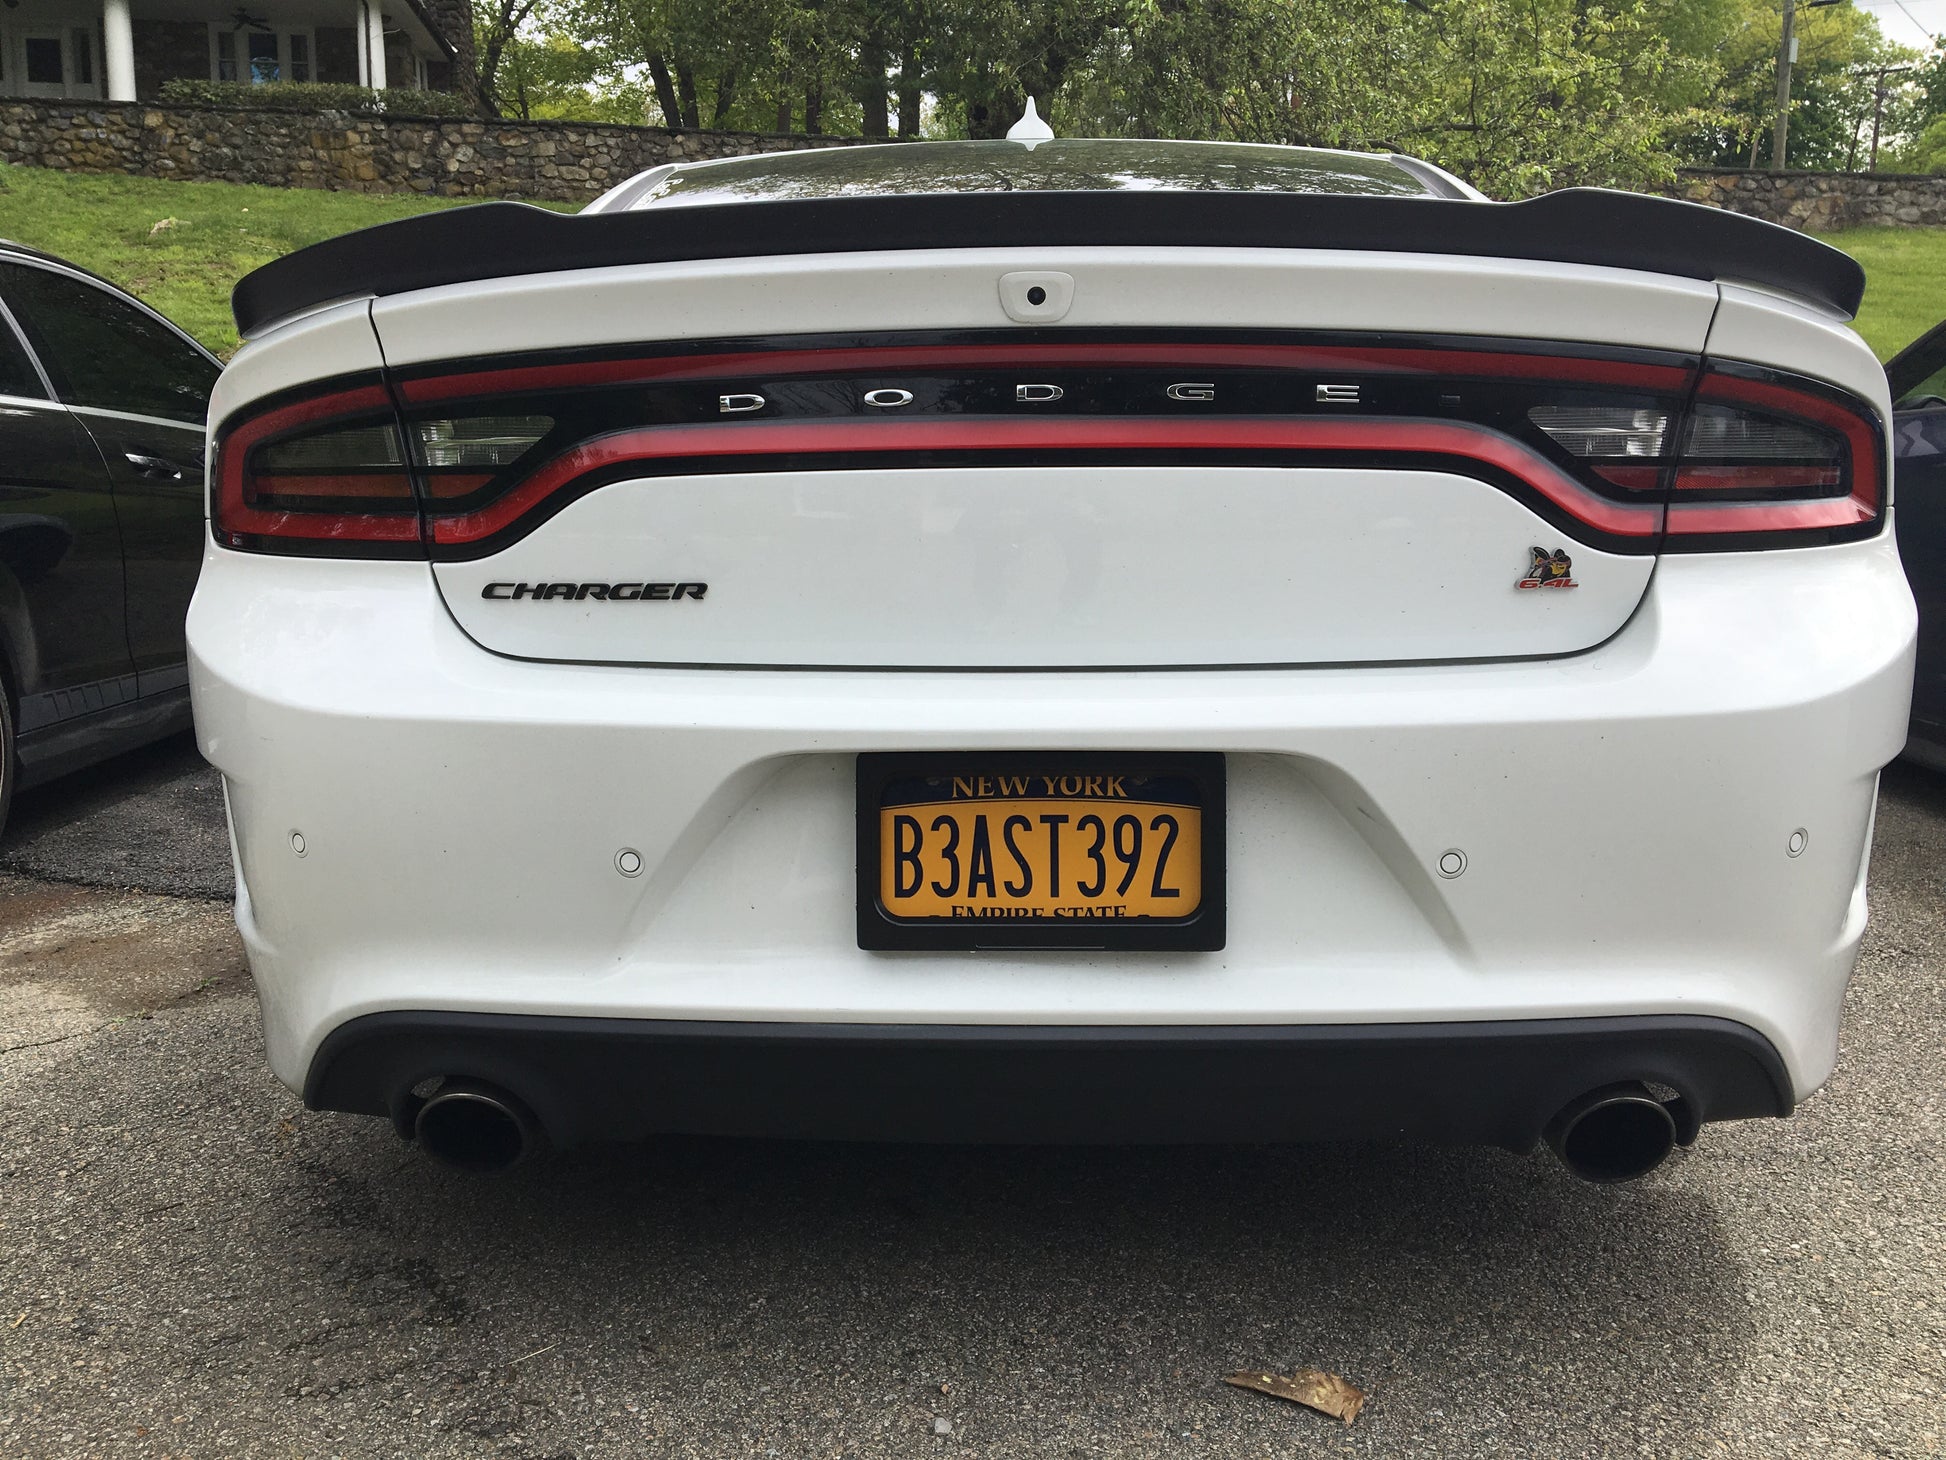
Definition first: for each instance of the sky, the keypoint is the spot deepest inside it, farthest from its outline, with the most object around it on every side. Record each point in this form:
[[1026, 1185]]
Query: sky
[[1909, 22]]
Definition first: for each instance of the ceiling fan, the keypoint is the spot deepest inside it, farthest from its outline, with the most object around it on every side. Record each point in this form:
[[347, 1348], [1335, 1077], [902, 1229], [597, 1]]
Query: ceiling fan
[[246, 21]]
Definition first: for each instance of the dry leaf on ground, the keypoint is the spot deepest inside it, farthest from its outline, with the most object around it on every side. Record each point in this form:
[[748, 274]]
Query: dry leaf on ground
[[1312, 1388]]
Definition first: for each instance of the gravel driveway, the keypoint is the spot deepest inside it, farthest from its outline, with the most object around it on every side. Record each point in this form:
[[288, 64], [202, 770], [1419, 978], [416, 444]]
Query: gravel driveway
[[193, 1265]]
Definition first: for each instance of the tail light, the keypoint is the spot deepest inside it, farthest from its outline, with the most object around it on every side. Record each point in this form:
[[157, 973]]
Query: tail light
[[458, 455], [1760, 453], [1624, 445], [1629, 452], [1765, 453], [324, 477], [285, 483]]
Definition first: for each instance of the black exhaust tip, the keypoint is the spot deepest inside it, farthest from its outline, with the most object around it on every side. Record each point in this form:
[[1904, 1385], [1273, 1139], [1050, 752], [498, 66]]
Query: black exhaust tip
[[476, 1127], [1616, 1133]]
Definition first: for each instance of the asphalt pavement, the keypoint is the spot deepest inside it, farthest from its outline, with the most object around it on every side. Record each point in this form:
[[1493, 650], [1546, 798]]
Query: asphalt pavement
[[193, 1265], [151, 821]]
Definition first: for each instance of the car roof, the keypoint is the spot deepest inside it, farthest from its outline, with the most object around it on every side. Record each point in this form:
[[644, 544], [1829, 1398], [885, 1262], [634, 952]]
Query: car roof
[[1066, 165]]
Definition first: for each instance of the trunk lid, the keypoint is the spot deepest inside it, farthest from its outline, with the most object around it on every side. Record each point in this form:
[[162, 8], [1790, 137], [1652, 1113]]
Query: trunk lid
[[1201, 466], [1042, 566]]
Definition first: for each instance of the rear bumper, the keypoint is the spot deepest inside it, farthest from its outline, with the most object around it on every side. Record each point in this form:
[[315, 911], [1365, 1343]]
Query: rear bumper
[[1495, 1083], [1627, 817]]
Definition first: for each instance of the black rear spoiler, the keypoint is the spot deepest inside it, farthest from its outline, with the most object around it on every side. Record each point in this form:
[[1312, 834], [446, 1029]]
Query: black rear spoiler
[[1577, 226]]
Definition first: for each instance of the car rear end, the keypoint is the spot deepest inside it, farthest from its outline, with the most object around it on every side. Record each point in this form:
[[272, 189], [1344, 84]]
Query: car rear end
[[1156, 683]]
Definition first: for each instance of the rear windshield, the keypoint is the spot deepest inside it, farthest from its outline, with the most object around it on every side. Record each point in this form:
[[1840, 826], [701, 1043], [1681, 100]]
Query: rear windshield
[[1063, 166]]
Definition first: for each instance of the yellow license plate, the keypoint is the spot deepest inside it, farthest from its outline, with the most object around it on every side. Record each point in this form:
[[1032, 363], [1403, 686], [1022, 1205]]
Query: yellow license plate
[[1039, 851]]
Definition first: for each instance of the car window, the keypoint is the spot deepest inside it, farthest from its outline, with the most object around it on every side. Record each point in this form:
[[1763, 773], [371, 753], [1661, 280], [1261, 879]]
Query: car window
[[17, 373], [1928, 392], [101, 351], [1917, 374], [1067, 165]]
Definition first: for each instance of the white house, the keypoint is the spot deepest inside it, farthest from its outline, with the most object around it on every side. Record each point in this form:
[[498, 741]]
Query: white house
[[123, 50]]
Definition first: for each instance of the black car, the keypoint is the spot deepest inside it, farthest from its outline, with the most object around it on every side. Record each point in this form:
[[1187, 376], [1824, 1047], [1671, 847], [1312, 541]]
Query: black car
[[1918, 378], [102, 403]]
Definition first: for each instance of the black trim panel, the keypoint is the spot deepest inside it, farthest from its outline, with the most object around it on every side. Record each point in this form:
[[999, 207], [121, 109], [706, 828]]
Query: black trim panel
[[1579, 225], [69, 745], [1492, 1083], [50, 707]]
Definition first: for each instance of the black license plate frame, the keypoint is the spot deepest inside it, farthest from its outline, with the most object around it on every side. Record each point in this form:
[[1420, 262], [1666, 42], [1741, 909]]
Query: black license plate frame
[[882, 773]]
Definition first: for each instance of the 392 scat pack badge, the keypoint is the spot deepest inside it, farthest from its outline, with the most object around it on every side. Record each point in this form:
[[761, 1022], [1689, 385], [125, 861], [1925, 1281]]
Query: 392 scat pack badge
[[1548, 570]]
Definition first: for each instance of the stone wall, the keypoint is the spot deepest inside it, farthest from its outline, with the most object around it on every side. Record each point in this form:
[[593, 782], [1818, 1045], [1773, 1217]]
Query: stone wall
[[575, 161], [557, 161], [1820, 201]]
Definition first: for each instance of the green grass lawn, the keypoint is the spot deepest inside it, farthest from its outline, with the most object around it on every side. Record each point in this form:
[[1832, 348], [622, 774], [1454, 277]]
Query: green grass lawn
[[181, 245], [1905, 283]]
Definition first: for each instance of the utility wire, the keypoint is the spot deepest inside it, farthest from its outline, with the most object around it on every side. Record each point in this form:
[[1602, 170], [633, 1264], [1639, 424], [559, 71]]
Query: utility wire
[[1926, 30], [1907, 13]]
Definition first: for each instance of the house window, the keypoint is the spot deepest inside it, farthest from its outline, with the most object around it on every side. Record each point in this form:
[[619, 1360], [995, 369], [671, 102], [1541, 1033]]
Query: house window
[[56, 62], [44, 61], [258, 56]]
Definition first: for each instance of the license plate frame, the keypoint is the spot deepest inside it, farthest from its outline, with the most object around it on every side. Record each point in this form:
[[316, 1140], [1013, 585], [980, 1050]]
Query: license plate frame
[[880, 774]]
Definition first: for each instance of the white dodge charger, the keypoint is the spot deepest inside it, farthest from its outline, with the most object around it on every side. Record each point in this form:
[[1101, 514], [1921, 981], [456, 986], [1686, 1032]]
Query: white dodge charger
[[1086, 640]]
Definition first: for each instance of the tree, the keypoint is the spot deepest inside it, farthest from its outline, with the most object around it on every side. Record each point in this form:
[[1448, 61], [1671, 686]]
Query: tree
[[1515, 95], [496, 25], [698, 58], [548, 76], [994, 54], [1317, 72], [1528, 95], [1918, 116], [1833, 90], [747, 65]]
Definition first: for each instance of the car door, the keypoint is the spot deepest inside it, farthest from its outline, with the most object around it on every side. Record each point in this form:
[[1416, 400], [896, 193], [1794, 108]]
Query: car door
[[1918, 379], [61, 618], [141, 388]]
